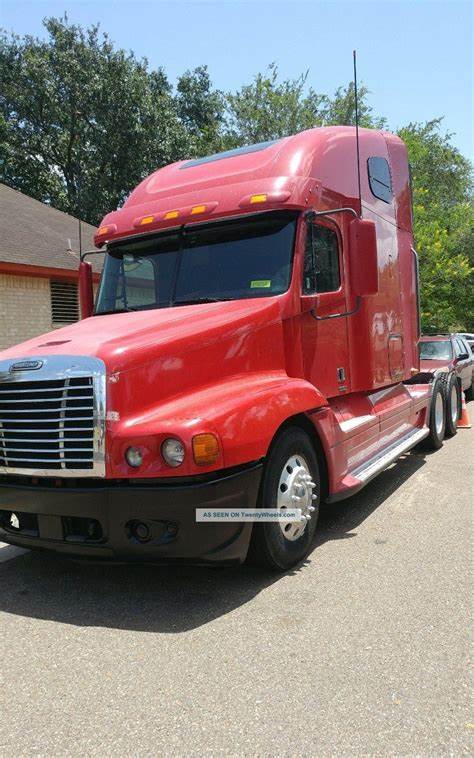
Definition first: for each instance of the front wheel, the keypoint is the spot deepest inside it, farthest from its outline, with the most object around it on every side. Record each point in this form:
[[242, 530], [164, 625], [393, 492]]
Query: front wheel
[[291, 480], [437, 418]]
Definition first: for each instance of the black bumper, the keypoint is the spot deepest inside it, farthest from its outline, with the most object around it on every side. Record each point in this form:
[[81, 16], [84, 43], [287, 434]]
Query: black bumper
[[100, 522]]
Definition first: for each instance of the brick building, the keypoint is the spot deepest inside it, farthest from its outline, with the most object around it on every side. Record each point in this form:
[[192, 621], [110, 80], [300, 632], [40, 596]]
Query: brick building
[[38, 277]]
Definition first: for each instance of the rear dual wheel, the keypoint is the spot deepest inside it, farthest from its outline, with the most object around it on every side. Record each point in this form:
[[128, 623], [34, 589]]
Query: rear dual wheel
[[291, 479], [437, 418], [452, 397]]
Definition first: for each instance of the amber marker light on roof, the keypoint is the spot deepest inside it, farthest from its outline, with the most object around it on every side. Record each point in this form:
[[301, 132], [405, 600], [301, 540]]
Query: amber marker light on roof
[[205, 449], [262, 198], [198, 209], [146, 220], [171, 214]]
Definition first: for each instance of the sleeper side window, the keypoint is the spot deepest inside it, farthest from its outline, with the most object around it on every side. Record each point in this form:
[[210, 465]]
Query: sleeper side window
[[380, 180], [321, 261]]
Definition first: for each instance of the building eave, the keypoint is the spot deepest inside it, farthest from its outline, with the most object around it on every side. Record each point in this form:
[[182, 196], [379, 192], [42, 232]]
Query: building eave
[[41, 272]]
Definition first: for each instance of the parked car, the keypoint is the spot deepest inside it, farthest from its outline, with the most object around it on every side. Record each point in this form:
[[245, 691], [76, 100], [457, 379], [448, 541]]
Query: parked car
[[469, 338], [450, 356]]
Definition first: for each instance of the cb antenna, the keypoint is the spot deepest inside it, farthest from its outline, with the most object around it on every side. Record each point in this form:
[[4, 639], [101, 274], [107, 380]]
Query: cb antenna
[[357, 130], [80, 238]]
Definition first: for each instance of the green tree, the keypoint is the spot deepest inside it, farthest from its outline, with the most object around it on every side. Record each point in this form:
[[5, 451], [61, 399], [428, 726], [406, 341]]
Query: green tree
[[201, 110], [269, 108], [80, 122], [443, 226]]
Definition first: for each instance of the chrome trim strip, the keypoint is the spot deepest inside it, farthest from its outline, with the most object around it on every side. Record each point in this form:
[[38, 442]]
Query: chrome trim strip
[[48, 399], [47, 420], [59, 409], [65, 368], [378, 463], [38, 440], [47, 389]]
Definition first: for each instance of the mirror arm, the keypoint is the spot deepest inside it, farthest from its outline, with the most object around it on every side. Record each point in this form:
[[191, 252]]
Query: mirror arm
[[311, 215], [338, 315], [83, 256]]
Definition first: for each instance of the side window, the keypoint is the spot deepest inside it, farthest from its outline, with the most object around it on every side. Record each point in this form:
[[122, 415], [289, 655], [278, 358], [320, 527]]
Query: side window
[[458, 348], [321, 261], [380, 180], [463, 346]]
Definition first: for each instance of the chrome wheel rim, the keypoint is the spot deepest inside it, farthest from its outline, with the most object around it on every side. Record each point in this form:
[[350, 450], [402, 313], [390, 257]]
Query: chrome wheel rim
[[296, 490], [439, 413], [454, 404]]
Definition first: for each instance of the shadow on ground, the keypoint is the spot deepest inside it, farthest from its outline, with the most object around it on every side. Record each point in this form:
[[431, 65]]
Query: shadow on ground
[[168, 599]]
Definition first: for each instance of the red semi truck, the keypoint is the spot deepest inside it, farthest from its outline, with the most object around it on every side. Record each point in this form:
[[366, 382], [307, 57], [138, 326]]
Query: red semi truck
[[254, 343]]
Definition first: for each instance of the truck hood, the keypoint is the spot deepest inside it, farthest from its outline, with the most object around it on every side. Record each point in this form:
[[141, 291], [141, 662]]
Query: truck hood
[[208, 339], [430, 366]]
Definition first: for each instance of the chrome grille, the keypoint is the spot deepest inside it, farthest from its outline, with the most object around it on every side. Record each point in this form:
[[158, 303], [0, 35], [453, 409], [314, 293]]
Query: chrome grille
[[55, 423]]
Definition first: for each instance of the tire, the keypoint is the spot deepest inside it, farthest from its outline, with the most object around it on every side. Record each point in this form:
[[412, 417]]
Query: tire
[[276, 545], [452, 399], [437, 426]]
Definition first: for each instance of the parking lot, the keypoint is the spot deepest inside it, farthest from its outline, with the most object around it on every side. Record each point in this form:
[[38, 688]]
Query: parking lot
[[363, 650]]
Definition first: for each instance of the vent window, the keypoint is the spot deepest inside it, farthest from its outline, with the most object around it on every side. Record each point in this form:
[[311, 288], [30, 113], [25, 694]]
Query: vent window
[[229, 154], [379, 179], [64, 303]]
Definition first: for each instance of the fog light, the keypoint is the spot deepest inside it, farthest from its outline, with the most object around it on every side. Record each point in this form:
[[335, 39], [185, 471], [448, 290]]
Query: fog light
[[133, 457], [173, 452]]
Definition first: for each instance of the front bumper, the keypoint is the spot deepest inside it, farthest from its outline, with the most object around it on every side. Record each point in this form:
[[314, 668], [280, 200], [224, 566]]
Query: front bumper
[[99, 522]]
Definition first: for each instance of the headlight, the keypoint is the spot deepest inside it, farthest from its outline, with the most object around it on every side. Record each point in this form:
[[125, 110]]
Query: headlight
[[133, 457], [173, 452]]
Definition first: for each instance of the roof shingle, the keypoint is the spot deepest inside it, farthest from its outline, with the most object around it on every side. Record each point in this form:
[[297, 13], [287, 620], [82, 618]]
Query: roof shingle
[[33, 233]]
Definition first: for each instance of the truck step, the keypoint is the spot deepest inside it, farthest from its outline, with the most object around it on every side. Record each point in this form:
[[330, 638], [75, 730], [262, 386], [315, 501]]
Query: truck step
[[379, 462]]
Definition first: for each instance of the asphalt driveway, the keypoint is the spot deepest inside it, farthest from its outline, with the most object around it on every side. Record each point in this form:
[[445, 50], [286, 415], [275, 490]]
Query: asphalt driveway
[[361, 651]]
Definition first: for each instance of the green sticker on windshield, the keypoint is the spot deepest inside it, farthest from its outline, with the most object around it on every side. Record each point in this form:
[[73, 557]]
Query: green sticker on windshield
[[257, 284]]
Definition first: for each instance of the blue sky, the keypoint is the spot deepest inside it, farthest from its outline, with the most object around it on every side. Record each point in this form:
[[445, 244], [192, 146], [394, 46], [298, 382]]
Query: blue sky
[[416, 57]]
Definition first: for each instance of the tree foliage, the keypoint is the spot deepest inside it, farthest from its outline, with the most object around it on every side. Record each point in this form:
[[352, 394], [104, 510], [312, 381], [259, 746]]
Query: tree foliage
[[81, 123], [444, 226], [269, 108]]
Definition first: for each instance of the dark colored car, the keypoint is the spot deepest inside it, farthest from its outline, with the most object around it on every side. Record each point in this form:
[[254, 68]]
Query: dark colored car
[[450, 357]]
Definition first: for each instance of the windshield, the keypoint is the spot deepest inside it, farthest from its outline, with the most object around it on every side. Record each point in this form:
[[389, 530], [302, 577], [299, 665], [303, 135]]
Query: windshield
[[439, 350], [230, 260]]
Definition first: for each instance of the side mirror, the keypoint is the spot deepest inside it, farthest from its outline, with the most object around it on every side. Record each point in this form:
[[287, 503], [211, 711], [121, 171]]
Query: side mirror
[[86, 292], [363, 257]]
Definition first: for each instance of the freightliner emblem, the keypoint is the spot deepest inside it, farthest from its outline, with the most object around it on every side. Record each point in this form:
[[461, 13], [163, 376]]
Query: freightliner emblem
[[26, 366]]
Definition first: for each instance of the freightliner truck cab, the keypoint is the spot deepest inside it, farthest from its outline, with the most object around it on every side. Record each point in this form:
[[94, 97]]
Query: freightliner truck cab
[[253, 344]]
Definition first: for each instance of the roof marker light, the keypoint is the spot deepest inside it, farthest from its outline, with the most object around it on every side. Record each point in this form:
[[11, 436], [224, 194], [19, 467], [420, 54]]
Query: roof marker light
[[146, 220], [103, 233], [171, 214], [198, 209], [272, 196]]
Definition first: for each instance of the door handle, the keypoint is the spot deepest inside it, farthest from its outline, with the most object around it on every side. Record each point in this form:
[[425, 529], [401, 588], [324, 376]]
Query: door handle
[[338, 315]]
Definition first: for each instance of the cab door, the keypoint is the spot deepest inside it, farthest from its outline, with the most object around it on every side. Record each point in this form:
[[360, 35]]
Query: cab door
[[324, 331], [463, 363]]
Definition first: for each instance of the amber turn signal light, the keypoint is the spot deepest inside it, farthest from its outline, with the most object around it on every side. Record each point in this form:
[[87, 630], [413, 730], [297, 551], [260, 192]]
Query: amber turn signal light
[[205, 449]]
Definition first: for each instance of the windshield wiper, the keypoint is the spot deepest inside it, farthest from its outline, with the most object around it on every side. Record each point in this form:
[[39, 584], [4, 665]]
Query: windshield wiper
[[195, 300], [115, 310]]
